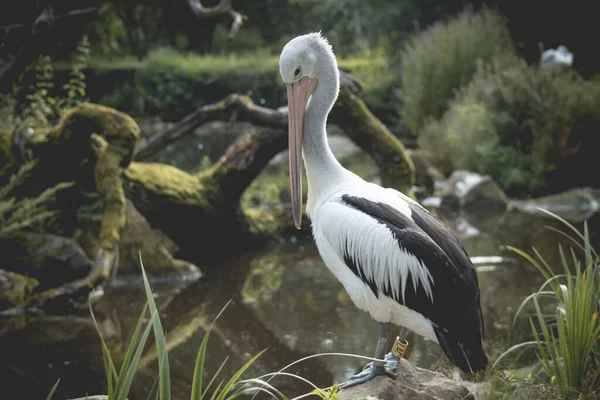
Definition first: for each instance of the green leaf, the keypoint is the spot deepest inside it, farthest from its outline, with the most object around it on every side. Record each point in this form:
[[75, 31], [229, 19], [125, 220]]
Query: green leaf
[[164, 383], [51, 393]]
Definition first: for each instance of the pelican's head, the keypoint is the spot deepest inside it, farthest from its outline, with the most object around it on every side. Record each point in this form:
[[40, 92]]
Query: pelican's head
[[303, 61]]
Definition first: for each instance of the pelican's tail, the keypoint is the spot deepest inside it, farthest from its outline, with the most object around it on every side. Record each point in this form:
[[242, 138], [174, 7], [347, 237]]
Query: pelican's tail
[[466, 355]]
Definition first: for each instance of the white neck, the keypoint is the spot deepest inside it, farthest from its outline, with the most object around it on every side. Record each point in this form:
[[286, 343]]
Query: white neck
[[322, 168]]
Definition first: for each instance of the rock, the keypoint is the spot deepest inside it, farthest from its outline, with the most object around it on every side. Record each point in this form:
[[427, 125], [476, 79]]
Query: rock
[[412, 383], [50, 259], [157, 248], [574, 205], [426, 174], [469, 190], [96, 397], [553, 57], [14, 289]]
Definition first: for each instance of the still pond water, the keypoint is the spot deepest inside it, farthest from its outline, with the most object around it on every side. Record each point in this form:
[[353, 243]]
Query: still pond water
[[283, 299]]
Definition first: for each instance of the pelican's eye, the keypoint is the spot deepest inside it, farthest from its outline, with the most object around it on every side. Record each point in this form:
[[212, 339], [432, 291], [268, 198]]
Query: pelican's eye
[[297, 72]]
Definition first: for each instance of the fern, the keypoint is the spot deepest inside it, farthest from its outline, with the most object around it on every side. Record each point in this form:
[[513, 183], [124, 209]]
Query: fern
[[15, 214], [41, 107], [76, 85]]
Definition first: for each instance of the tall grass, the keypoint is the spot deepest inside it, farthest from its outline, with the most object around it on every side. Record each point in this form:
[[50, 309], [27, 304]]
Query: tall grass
[[566, 331], [120, 380]]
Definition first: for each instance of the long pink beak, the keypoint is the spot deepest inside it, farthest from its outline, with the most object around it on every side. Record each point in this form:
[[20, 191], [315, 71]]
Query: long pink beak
[[298, 94]]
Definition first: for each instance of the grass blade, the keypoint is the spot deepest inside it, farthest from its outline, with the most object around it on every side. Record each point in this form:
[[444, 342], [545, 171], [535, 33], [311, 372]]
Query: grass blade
[[128, 378], [197, 392], [51, 393], [109, 366], [237, 376], [521, 346], [132, 342], [164, 384], [213, 378], [199, 369]]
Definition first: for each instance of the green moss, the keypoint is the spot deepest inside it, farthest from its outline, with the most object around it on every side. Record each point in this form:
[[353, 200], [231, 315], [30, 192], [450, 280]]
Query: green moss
[[395, 166], [170, 183], [15, 289], [269, 221], [108, 184]]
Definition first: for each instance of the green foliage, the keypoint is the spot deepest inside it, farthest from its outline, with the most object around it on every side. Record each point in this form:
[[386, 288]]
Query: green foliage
[[567, 332], [438, 61], [170, 84], [38, 105], [520, 124], [75, 87], [29, 213], [119, 383], [328, 394], [106, 31], [261, 194]]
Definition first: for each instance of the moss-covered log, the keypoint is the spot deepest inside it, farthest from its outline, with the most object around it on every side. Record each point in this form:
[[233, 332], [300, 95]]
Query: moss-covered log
[[350, 113], [90, 147], [369, 133], [204, 208], [15, 290]]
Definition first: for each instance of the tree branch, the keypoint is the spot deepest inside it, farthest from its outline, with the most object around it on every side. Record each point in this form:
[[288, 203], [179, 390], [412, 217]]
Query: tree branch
[[349, 112], [71, 13], [234, 107], [224, 7]]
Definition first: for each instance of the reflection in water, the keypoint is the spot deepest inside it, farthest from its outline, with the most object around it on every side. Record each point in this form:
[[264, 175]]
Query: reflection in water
[[282, 298]]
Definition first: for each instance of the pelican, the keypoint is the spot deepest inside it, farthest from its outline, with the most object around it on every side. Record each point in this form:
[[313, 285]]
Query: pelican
[[396, 260]]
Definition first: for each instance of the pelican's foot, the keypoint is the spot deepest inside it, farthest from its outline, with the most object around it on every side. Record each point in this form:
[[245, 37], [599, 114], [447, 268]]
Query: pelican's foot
[[391, 363], [369, 372]]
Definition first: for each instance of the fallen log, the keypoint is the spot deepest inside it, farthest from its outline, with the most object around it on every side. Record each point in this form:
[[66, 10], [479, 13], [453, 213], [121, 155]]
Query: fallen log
[[349, 112], [93, 147]]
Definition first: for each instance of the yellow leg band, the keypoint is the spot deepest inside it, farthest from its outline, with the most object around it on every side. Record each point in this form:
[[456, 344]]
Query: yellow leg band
[[399, 348]]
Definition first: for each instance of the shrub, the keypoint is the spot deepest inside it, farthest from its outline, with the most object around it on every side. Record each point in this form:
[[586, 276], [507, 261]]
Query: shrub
[[444, 57], [531, 129]]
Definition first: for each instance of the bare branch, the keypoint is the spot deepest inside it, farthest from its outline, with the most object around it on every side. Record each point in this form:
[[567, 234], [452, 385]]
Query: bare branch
[[71, 13], [235, 106], [349, 112], [224, 7]]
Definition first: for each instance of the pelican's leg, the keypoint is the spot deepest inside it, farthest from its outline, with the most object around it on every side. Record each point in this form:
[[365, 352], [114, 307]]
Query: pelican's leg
[[392, 358], [374, 368]]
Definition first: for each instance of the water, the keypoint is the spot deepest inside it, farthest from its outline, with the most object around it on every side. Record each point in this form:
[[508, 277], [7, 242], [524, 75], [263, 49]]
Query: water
[[282, 298]]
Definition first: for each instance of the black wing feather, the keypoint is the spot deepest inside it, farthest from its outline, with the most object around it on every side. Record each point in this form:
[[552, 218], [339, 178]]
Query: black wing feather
[[455, 310]]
